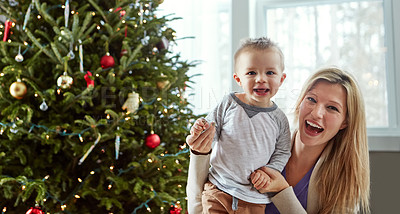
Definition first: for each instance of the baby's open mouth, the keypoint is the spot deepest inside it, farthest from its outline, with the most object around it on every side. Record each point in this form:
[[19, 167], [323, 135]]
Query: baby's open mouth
[[261, 90]]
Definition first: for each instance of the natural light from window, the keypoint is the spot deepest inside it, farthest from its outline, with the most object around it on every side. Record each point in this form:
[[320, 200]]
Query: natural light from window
[[207, 24], [349, 35]]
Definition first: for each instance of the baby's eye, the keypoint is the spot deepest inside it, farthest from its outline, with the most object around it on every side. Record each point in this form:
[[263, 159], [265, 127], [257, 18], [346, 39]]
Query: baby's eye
[[251, 73], [270, 73]]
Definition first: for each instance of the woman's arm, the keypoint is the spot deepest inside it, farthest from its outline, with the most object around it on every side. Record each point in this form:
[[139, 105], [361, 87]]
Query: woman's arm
[[287, 203], [197, 177], [200, 148]]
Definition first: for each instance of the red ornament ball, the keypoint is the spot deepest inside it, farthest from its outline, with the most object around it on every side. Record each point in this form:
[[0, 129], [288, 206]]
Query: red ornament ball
[[163, 44], [175, 209], [35, 210], [152, 141], [107, 61]]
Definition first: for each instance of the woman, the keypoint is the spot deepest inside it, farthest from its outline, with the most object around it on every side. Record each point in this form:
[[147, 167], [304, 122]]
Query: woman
[[329, 153]]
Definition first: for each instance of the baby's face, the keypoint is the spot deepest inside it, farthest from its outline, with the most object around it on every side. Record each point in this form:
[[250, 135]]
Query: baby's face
[[260, 75]]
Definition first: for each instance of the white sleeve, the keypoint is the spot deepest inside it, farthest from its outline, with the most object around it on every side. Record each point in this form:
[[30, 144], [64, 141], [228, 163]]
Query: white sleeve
[[197, 177]]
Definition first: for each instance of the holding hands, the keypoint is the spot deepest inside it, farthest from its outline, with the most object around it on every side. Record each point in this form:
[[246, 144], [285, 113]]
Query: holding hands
[[260, 179], [266, 179]]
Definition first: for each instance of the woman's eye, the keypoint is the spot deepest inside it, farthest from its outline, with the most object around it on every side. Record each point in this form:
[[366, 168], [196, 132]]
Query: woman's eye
[[333, 108], [311, 99]]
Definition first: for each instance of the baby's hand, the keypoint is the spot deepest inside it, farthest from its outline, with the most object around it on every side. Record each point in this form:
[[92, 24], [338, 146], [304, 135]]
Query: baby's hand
[[260, 179], [198, 127], [201, 136]]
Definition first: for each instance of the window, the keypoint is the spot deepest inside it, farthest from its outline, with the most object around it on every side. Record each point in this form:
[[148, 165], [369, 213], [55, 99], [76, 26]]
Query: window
[[357, 35], [354, 35], [203, 35]]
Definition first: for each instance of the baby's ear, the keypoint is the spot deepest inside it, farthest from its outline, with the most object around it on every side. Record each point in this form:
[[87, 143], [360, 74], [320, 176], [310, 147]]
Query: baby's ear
[[283, 77], [237, 79]]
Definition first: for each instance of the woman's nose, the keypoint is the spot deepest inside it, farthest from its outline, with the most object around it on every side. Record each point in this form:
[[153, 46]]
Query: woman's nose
[[318, 111]]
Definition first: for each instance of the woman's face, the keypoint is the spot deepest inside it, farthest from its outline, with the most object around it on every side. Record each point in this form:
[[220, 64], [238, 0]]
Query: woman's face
[[322, 113]]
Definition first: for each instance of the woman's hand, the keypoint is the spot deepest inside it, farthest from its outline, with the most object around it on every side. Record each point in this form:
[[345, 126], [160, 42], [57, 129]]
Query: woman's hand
[[277, 182], [201, 136]]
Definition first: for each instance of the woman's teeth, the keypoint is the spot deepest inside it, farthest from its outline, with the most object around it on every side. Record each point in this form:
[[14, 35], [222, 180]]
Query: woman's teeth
[[313, 125]]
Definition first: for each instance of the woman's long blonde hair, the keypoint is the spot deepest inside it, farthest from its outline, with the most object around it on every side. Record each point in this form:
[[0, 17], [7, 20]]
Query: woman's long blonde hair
[[343, 180]]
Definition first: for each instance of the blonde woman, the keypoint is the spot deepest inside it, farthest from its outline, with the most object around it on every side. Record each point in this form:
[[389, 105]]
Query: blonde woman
[[328, 171]]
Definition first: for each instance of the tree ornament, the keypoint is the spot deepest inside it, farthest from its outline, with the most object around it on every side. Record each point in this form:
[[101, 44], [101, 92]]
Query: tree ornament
[[132, 103], [66, 13], [71, 54], [152, 141], [18, 89], [27, 15], [175, 209], [121, 12], [107, 61], [19, 57], [90, 149], [163, 44], [123, 52], [162, 84], [13, 128], [43, 106], [145, 40], [13, 3], [89, 81], [80, 56], [65, 81], [6, 30], [35, 210], [117, 144]]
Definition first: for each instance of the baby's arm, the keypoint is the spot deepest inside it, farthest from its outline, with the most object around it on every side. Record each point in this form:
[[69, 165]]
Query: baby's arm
[[260, 179]]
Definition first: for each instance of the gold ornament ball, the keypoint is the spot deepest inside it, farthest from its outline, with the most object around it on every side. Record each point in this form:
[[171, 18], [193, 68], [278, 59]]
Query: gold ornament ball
[[163, 84], [18, 90]]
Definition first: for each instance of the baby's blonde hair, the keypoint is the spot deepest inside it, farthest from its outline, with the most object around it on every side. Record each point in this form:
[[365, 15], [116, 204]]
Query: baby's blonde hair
[[261, 43]]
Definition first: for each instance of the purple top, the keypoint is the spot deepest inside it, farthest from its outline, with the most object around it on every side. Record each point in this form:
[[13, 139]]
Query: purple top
[[301, 191]]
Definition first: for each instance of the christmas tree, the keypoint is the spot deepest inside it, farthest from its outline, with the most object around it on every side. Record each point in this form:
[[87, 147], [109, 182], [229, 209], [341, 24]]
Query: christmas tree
[[94, 114]]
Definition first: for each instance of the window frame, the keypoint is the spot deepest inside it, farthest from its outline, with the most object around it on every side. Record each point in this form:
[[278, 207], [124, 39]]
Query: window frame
[[380, 139]]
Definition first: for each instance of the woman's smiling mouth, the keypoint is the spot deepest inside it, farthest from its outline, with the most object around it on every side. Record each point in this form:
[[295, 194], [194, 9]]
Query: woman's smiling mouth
[[313, 128]]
